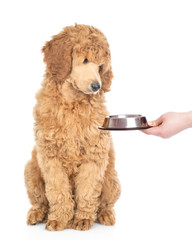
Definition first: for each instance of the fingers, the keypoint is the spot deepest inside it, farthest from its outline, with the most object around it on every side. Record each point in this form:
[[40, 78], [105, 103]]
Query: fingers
[[156, 122], [152, 131], [155, 127]]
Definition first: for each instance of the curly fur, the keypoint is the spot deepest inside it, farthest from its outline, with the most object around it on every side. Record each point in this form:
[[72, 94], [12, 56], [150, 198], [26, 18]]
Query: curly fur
[[71, 179]]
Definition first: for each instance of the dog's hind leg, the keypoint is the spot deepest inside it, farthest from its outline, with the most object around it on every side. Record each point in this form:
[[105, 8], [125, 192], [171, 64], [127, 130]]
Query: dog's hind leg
[[110, 193], [36, 191]]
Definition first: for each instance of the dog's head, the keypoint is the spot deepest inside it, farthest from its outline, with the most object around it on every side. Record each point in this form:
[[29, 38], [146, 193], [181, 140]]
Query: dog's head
[[81, 55]]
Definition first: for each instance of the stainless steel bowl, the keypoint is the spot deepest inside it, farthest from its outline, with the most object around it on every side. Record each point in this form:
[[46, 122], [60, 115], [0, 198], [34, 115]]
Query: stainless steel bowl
[[124, 122]]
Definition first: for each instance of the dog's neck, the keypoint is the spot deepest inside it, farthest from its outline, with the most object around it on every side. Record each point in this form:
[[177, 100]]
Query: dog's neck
[[65, 94]]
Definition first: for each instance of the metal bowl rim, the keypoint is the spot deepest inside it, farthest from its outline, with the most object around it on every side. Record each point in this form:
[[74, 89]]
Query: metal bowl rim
[[124, 116]]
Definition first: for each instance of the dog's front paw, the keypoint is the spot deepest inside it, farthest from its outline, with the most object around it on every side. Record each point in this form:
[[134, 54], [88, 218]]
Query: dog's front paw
[[35, 215], [54, 225], [107, 217], [82, 224]]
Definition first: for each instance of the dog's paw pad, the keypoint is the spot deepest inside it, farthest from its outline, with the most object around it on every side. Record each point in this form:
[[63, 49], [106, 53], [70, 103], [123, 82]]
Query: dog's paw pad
[[82, 224], [107, 217], [35, 215], [53, 225]]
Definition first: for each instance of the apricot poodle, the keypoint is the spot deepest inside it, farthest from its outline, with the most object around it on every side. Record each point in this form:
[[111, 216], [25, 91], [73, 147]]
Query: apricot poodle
[[71, 179]]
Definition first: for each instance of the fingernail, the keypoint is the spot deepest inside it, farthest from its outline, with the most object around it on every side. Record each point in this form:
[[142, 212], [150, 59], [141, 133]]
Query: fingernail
[[152, 123]]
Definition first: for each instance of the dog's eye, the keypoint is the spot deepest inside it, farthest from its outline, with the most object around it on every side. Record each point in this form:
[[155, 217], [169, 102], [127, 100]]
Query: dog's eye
[[85, 60], [100, 68]]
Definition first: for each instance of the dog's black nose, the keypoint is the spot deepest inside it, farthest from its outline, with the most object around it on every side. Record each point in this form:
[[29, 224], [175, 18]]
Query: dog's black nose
[[95, 86]]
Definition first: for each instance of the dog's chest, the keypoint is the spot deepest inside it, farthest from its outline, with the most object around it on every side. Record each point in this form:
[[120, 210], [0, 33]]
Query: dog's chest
[[79, 139], [77, 148], [80, 134], [77, 135]]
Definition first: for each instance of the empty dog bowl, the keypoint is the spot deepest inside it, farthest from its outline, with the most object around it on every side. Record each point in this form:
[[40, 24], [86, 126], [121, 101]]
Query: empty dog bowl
[[125, 122]]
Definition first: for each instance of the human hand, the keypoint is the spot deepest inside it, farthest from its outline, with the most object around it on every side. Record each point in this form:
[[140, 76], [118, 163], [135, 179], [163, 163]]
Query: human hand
[[169, 124]]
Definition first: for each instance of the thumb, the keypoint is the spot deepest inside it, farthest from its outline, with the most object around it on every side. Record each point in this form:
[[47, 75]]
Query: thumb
[[156, 122]]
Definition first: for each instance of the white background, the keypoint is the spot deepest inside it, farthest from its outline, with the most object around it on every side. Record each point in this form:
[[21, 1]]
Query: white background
[[151, 48]]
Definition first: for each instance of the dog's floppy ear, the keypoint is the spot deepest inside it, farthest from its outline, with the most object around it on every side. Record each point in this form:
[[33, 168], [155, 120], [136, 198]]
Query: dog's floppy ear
[[57, 56], [106, 78]]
